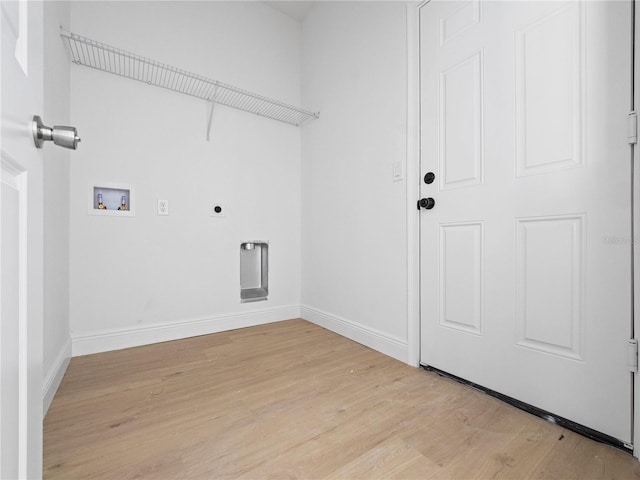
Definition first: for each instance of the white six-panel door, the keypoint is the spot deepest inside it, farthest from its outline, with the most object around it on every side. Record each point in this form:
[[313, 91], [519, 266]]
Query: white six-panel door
[[526, 256]]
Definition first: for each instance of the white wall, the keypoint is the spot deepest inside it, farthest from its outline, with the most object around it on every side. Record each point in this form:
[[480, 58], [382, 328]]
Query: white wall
[[56, 338], [354, 246], [150, 278]]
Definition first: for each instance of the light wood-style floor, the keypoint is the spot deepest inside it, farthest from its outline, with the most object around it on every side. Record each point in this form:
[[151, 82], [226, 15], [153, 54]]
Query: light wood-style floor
[[292, 400]]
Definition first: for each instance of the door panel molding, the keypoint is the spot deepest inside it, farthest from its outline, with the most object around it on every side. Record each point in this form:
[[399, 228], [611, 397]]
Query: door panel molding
[[13, 186], [550, 73], [550, 264], [460, 123], [460, 20], [461, 305]]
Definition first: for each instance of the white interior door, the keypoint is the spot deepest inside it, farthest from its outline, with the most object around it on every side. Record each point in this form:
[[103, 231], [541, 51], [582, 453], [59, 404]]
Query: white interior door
[[21, 244], [526, 255]]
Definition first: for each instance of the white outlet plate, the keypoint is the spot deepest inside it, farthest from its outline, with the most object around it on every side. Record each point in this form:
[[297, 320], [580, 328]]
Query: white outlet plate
[[217, 209], [163, 207]]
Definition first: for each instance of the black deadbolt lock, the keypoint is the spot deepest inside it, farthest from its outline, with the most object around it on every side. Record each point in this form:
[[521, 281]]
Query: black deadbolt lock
[[429, 178]]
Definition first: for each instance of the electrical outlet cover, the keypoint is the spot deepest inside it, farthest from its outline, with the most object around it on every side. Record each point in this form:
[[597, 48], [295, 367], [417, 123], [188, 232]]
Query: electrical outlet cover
[[163, 207]]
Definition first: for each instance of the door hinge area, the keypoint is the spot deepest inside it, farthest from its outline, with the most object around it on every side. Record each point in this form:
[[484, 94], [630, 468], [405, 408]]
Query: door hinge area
[[633, 128], [632, 355]]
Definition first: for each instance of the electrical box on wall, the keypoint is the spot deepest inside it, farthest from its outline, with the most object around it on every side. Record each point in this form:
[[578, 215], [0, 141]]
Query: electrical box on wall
[[111, 199], [254, 271], [217, 209]]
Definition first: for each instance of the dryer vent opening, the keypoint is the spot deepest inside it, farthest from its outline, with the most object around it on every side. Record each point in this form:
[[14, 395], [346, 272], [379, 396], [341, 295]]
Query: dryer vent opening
[[254, 271]]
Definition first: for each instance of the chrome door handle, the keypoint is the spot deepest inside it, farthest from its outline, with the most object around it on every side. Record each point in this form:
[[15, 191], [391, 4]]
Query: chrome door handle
[[66, 137]]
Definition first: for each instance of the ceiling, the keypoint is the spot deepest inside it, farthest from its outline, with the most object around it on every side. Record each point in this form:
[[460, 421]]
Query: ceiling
[[294, 9]]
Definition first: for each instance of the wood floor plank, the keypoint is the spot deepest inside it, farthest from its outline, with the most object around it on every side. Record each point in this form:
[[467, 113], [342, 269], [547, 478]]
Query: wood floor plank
[[292, 400]]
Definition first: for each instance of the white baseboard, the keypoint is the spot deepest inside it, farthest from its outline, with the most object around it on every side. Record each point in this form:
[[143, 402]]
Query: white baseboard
[[54, 376], [116, 339], [384, 343]]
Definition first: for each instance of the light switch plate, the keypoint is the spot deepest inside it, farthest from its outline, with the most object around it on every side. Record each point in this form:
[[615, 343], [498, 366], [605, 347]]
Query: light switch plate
[[398, 171]]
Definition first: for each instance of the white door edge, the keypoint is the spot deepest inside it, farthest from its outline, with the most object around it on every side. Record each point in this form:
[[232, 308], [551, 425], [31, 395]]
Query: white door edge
[[636, 237]]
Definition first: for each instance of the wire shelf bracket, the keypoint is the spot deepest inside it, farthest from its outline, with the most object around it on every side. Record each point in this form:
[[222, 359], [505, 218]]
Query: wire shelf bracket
[[100, 56]]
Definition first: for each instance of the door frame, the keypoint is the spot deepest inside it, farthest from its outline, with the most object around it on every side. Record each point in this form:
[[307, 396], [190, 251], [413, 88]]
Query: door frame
[[636, 228], [413, 193], [413, 181]]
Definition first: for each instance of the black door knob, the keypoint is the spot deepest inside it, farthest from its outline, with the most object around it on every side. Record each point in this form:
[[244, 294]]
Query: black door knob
[[426, 203]]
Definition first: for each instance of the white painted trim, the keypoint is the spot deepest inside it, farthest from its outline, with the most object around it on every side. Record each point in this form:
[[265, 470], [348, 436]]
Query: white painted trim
[[636, 238], [54, 376], [413, 184], [116, 339], [26, 345], [382, 342]]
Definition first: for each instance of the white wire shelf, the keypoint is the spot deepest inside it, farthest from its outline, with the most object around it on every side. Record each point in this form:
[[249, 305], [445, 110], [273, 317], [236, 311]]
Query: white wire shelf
[[100, 56]]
